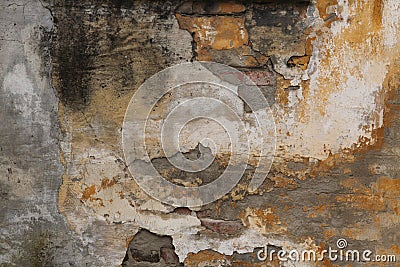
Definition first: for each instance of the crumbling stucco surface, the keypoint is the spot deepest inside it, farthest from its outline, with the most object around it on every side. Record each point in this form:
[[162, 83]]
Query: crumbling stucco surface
[[328, 68]]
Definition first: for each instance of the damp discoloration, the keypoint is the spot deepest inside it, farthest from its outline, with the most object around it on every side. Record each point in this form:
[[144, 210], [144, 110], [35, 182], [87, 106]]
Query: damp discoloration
[[330, 105], [330, 72]]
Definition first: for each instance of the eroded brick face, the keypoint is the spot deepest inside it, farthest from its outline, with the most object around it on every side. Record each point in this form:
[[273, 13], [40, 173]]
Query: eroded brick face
[[329, 72]]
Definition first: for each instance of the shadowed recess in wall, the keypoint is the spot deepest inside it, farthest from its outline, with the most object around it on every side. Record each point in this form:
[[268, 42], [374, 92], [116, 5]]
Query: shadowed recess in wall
[[149, 249]]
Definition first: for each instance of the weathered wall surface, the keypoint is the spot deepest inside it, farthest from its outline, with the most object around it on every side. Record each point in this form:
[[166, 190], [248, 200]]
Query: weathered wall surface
[[329, 70], [33, 233]]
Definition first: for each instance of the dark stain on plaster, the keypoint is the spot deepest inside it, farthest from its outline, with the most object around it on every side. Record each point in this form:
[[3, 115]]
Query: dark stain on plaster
[[281, 14], [176, 175], [73, 54]]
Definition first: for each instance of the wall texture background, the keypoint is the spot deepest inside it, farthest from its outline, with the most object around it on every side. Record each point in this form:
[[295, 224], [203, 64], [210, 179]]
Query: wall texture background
[[329, 69]]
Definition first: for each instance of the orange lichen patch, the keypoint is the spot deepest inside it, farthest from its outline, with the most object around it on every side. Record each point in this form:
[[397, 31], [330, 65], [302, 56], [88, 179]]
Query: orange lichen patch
[[395, 249], [287, 208], [329, 233], [301, 62], [365, 144], [333, 160], [323, 5], [229, 8], [377, 13], [387, 187], [88, 192], [321, 208], [361, 232], [265, 221], [392, 97], [355, 185], [396, 210], [105, 183], [346, 171], [284, 182], [204, 54], [204, 258], [219, 32], [363, 202], [281, 95], [309, 45], [282, 83], [320, 211], [251, 62], [239, 192]]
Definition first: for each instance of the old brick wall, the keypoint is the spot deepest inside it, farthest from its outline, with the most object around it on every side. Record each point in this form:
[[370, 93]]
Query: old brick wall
[[329, 70]]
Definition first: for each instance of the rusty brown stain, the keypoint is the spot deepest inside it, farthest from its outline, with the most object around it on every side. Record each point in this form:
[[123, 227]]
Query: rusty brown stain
[[363, 202], [362, 197], [129, 240], [230, 7], [299, 61], [391, 85], [329, 233], [284, 182], [388, 187], [281, 95], [377, 13], [309, 45], [332, 161], [205, 256], [105, 183], [217, 33], [88, 192], [321, 208], [322, 6]]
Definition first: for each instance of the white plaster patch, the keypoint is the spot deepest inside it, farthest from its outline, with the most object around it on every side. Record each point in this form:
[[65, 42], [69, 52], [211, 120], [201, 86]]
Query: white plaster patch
[[390, 22], [245, 243], [18, 84]]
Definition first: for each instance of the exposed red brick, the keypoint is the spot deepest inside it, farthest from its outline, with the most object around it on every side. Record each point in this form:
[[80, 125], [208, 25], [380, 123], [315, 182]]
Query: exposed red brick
[[169, 256], [182, 211], [221, 226], [262, 77]]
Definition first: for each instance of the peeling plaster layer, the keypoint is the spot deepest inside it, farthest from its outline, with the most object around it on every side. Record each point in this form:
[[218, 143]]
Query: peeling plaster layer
[[336, 106], [340, 104], [335, 173]]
